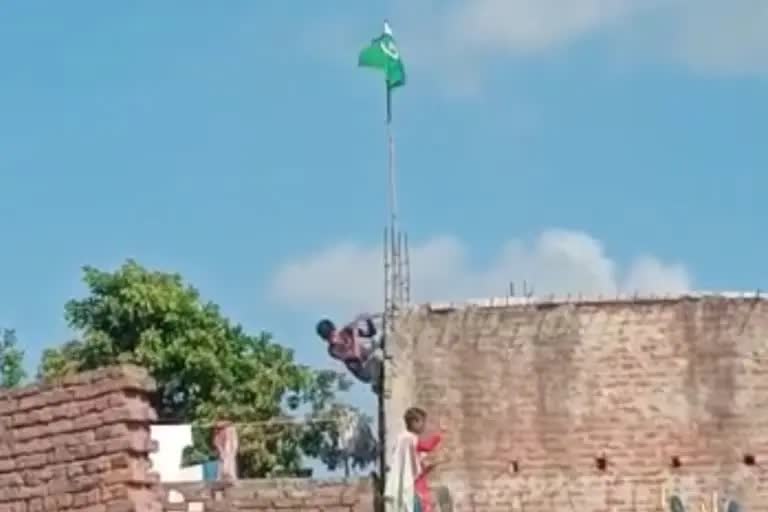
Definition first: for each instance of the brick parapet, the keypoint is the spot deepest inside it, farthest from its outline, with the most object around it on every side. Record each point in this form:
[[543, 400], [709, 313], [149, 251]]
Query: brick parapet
[[287, 495], [80, 443]]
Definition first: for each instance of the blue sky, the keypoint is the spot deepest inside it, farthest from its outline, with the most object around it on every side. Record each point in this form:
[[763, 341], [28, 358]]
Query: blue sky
[[576, 147]]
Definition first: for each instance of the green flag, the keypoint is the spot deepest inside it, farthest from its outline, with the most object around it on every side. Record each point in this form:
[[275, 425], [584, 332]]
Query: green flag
[[382, 54]]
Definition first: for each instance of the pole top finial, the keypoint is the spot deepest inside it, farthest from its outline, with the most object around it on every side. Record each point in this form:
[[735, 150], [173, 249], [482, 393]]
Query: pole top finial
[[387, 28]]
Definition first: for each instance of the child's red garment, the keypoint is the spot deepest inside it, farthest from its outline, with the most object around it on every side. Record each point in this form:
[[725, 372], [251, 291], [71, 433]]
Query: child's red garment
[[425, 445]]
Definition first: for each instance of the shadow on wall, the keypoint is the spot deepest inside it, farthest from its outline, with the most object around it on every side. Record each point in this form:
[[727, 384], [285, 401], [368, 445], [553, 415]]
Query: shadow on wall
[[444, 499]]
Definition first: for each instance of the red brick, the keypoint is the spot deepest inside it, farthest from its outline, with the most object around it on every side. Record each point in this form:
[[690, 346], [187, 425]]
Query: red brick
[[555, 387], [81, 444], [62, 444]]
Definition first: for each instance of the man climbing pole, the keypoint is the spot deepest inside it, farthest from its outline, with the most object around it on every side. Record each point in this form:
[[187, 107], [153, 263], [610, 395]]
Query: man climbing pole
[[356, 346]]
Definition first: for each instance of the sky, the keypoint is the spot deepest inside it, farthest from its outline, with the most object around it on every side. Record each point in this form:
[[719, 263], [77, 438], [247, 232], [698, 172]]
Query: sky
[[589, 146]]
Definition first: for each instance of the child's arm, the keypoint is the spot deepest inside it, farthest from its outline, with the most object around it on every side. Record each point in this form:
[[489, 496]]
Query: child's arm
[[413, 455], [429, 443]]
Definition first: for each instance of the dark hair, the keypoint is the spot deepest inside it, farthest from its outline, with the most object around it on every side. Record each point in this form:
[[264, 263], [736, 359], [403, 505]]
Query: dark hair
[[412, 415], [325, 328]]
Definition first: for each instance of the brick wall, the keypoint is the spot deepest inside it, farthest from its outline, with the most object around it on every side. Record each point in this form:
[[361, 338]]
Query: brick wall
[[80, 444], [271, 495], [672, 394]]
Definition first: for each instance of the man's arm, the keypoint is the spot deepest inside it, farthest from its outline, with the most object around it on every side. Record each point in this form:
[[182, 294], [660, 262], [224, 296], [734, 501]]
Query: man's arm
[[369, 330]]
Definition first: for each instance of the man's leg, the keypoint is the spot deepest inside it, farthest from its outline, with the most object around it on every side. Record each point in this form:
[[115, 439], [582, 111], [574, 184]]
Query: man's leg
[[374, 366], [359, 370]]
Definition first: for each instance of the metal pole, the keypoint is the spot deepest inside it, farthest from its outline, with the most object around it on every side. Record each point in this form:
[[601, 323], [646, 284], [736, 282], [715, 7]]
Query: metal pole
[[387, 292], [395, 265], [407, 256], [390, 294], [400, 269]]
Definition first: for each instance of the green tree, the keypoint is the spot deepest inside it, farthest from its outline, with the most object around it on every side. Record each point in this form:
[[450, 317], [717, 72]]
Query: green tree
[[206, 367], [11, 360]]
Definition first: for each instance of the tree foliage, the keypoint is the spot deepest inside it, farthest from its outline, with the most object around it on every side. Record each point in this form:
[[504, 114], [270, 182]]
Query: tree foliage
[[206, 367], [11, 360]]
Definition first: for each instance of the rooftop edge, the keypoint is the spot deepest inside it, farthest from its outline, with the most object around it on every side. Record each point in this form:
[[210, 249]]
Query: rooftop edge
[[581, 299]]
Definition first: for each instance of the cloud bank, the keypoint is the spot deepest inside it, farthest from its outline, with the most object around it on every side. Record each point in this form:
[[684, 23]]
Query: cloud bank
[[348, 278], [532, 25], [456, 41]]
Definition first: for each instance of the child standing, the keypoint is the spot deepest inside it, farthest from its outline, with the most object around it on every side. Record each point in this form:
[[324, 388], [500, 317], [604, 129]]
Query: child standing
[[407, 483], [425, 446]]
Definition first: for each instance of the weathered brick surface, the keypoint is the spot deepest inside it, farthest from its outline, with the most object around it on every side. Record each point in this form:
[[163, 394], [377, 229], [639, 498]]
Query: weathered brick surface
[[271, 495], [78, 444], [531, 396]]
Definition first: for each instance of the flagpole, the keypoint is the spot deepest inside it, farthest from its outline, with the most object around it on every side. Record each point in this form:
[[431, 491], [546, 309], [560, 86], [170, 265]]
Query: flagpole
[[396, 285], [391, 298], [393, 294]]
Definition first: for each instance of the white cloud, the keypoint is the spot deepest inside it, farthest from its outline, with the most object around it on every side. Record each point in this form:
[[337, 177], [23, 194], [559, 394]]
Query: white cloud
[[347, 278], [716, 36], [456, 40], [530, 25]]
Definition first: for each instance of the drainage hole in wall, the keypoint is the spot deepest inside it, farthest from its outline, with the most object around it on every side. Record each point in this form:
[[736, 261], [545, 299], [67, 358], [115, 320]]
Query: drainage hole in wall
[[601, 463]]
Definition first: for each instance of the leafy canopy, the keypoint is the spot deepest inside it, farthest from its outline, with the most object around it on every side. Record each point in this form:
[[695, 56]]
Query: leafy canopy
[[206, 367], [11, 360]]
